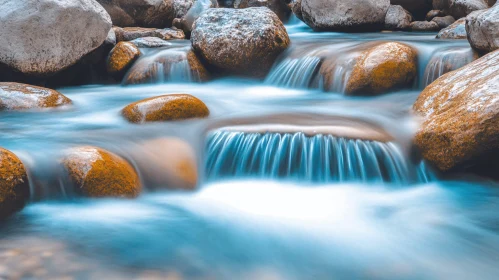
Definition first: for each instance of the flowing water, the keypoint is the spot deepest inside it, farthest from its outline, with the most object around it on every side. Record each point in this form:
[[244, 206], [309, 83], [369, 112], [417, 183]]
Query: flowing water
[[296, 180]]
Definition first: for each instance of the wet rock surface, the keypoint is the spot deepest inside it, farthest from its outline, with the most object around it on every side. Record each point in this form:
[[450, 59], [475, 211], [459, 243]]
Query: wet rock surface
[[483, 29], [16, 96], [382, 68], [170, 107], [43, 37], [142, 13], [132, 33], [457, 30], [121, 58], [95, 172], [239, 41], [460, 112], [199, 6], [14, 185]]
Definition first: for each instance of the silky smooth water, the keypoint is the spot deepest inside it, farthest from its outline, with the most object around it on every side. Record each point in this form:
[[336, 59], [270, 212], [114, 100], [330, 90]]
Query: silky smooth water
[[275, 198]]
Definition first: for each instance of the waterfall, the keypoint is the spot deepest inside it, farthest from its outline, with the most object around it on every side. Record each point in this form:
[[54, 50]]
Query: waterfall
[[446, 60], [294, 72], [319, 158]]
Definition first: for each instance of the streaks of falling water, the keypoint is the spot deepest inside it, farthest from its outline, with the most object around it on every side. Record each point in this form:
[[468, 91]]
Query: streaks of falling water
[[295, 72], [446, 60], [320, 158]]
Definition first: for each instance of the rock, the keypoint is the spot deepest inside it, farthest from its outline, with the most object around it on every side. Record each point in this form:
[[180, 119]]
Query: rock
[[121, 58], [434, 13], [457, 30], [279, 7], [171, 107], [295, 6], [132, 33], [459, 8], [143, 13], [382, 68], [14, 186], [419, 8], [239, 41], [397, 18], [174, 64], [98, 173], [426, 26], [460, 112], [167, 163], [344, 15], [42, 37], [16, 96], [150, 42], [185, 23], [444, 22], [483, 29]]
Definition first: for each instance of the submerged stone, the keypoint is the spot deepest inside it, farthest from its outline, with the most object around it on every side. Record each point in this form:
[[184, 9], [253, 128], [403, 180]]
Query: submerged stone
[[14, 186], [383, 68], [169, 107], [16, 96], [121, 58], [98, 173], [460, 113]]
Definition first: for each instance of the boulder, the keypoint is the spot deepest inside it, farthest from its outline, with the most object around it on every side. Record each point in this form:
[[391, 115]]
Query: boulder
[[277, 6], [443, 22], [239, 41], [121, 58], [460, 116], [42, 37], [434, 13], [457, 30], [185, 23], [419, 8], [132, 33], [174, 64], [482, 28], [171, 107], [295, 6], [16, 96], [426, 26], [344, 15], [382, 68], [14, 186], [167, 163], [95, 172], [142, 13], [397, 18], [460, 8]]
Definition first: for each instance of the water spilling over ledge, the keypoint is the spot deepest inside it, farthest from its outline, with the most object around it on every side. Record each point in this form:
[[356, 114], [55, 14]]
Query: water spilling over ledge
[[319, 158]]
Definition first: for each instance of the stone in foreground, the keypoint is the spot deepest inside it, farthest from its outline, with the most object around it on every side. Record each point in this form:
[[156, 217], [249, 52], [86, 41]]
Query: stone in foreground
[[344, 15], [239, 41], [483, 29], [14, 186], [98, 173], [16, 96], [171, 107], [42, 37], [457, 30], [383, 68], [460, 112]]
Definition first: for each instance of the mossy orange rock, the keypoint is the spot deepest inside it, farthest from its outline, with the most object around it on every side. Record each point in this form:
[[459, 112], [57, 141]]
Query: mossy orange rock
[[14, 186], [169, 107], [383, 68], [99, 173], [121, 58], [16, 96]]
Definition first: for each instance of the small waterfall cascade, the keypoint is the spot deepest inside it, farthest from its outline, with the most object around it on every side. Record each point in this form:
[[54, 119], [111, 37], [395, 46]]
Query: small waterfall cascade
[[164, 65], [295, 72], [319, 158], [447, 60]]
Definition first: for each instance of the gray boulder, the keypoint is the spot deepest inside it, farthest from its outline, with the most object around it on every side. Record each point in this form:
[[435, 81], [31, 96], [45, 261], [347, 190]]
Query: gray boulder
[[460, 8], [457, 30], [42, 37], [345, 15], [397, 18], [239, 41], [483, 29], [444, 22], [425, 26], [185, 22]]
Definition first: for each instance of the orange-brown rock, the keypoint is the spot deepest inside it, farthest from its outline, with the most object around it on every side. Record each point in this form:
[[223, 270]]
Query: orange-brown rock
[[177, 64], [14, 186], [99, 173], [167, 163], [460, 113], [169, 107], [121, 58], [383, 68], [16, 96]]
